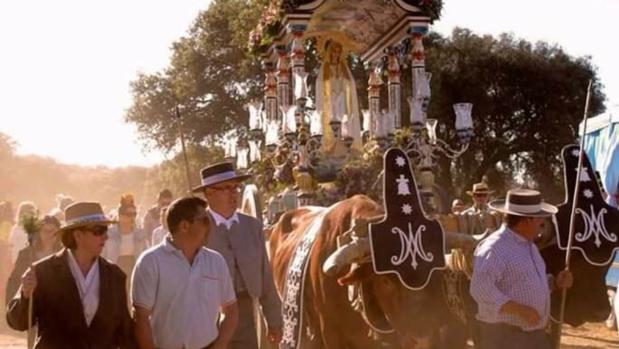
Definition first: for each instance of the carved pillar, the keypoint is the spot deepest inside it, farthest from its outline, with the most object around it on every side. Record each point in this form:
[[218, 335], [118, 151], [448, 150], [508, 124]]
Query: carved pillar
[[418, 61], [421, 81], [299, 75], [283, 79], [394, 88], [297, 53], [270, 91], [374, 85]]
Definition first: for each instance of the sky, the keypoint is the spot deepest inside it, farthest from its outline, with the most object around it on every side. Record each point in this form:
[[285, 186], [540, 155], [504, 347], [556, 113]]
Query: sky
[[65, 65]]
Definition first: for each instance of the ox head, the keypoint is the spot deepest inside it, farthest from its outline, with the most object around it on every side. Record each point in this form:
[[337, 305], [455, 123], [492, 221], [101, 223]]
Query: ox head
[[414, 315]]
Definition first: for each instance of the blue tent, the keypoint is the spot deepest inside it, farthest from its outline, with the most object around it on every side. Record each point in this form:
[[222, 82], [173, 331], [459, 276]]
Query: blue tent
[[602, 148]]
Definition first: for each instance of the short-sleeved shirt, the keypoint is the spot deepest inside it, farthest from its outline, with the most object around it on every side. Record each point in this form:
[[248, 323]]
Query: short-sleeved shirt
[[184, 300]]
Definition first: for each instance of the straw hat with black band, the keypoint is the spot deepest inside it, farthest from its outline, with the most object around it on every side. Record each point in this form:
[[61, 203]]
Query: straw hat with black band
[[480, 188], [81, 214], [523, 202], [218, 173]]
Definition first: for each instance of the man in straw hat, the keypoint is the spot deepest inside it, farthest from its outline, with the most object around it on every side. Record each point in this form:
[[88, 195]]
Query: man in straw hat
[[478, 219], [79, 299], [240, 240], [509, 280]]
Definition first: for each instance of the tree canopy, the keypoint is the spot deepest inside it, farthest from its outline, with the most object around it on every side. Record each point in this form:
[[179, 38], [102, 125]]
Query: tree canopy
[[528, 97]]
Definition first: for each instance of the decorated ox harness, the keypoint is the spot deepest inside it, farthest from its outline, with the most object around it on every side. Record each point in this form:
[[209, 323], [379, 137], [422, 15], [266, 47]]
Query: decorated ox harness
[[292, 303]]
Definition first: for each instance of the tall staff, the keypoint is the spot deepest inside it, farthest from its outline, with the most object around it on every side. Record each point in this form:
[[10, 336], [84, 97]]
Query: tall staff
[[568, 254], [182, 137], [31, 226]]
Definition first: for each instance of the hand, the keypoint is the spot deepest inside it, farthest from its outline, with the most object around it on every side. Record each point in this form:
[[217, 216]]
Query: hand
[[274, 334], [528, 314], [564, 280], [28, 283]]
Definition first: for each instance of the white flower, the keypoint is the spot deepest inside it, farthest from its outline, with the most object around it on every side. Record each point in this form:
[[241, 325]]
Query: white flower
[[576, 152], [587, 193], [400, 161], [407, 209], [584, 175]]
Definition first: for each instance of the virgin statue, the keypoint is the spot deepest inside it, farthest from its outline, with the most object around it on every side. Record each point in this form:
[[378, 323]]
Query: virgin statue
[[336, 97]]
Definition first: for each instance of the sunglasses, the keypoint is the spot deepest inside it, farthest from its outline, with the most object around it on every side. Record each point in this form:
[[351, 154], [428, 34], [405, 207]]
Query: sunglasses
[[480, 195], [96, 230]]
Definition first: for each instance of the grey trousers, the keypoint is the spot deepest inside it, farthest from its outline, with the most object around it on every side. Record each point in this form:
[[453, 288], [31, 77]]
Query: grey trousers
[[245, 335], [502, 336]]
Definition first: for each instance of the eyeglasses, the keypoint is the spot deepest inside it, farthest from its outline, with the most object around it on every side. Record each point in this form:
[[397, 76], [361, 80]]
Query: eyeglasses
[[232, 187], [97, 230]]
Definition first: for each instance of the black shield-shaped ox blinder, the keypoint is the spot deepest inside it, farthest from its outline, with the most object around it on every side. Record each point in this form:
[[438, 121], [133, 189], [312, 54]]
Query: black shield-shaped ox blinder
[[596, 228], [405, 243]]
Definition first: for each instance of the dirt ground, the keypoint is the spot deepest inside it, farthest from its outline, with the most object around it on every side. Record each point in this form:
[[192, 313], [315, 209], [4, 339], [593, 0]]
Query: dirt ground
[[589, 336]]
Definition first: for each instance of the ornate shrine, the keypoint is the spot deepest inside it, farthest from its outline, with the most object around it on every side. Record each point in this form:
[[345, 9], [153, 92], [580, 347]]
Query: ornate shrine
[[314, 144]]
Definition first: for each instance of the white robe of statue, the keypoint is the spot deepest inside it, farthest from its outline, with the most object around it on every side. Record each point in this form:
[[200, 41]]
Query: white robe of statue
[[336, 96]]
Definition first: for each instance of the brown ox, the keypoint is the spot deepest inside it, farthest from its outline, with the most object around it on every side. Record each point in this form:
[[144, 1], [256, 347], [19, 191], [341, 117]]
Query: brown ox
[[328, 313], [416, 316]]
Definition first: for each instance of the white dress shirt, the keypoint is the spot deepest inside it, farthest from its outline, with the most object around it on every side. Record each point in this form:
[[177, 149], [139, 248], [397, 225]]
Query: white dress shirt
[[220, 220], [88, 286]]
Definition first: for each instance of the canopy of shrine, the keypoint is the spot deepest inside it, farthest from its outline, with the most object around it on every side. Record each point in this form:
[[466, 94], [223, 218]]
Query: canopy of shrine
[[364, 27]]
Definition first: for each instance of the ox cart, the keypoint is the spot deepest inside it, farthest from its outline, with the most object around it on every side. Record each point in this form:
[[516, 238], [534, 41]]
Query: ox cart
[[353, 273]]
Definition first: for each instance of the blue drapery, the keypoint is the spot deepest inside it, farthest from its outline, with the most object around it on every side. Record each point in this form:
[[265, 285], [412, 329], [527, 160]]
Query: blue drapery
[[602, 147]]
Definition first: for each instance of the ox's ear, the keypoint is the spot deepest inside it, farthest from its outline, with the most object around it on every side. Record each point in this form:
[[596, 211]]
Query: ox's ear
[[357, 273]]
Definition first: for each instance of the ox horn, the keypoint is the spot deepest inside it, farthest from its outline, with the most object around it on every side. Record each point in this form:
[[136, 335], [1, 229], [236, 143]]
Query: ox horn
[[459, 240], [343, 256]]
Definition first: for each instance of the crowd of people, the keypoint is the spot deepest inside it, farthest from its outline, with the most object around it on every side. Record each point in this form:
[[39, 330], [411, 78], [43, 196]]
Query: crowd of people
[[98, 280], [105, 281]]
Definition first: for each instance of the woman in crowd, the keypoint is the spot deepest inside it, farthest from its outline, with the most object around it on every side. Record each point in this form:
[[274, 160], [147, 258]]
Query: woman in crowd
[[18, 238], [45, 243], [161, 231], [79, 299], [6, 222], [126, 241]]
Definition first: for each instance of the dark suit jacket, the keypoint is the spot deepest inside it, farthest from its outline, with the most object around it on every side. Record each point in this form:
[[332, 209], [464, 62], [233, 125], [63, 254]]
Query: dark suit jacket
[[58, 309]]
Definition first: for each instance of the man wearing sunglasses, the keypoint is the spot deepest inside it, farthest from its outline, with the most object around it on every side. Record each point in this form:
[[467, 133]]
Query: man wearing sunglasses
[[478, 219], [79, 299], [240, 240]]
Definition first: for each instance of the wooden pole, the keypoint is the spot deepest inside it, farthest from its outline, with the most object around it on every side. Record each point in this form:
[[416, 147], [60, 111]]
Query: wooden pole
[[182, 137], [31, 297], [568, 253]]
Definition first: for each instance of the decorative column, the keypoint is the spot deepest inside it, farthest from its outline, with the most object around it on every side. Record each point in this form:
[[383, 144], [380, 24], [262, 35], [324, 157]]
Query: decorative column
[[283, 78], [374, 85], [270, 91], [394, 87], [297, 52], [299, 75], [417, 55], [420, 96]]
